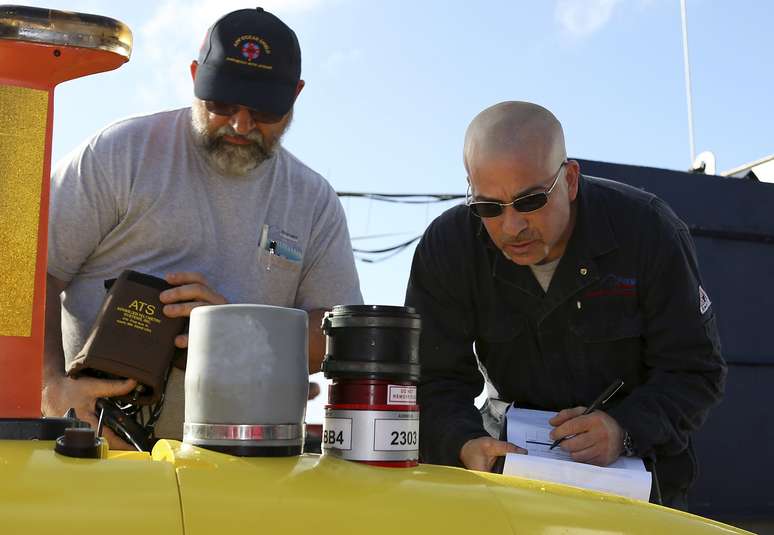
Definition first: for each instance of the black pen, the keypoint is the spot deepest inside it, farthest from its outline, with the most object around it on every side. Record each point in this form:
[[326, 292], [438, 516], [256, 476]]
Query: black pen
[[601, 400]]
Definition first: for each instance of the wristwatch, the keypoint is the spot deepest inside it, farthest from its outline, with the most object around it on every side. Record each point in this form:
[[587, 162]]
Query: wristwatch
[[628, 445]]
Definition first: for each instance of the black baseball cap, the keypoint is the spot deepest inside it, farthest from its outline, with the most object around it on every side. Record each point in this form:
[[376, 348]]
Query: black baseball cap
[[252, 58]]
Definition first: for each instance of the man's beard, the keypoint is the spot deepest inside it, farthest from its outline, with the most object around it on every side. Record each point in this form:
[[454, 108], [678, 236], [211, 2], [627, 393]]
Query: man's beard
[[230, 158]]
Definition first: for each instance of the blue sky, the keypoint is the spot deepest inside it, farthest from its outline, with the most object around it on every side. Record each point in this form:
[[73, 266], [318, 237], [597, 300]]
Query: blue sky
[[391, 87]]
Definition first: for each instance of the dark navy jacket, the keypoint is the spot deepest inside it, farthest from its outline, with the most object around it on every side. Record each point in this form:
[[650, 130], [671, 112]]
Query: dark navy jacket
[[624, 303]]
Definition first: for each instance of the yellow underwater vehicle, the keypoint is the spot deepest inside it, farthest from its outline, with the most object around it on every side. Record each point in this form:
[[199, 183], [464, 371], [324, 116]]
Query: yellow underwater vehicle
[[58, 476]]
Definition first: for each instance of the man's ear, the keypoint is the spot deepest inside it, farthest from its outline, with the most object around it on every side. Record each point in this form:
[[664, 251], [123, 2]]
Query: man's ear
[[194, 66], [299, 86], [572, 175]]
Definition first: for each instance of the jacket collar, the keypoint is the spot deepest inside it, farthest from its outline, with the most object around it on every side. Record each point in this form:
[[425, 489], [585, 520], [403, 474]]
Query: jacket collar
[[592, 224], [591, 238]]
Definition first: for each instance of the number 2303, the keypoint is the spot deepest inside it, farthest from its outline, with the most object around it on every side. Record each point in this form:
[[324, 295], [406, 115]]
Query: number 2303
[[403, 438]]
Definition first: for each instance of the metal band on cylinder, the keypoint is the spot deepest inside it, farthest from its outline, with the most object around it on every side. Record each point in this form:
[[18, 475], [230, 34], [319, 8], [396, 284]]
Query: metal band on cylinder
[[193, 432]]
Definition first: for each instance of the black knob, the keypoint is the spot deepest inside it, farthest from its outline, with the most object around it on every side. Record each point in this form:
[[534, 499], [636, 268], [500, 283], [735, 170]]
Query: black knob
[[78, 442]]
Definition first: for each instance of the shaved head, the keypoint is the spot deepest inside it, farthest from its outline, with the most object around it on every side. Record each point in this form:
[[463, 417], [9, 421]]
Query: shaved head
[[514, 130], [514, 151]]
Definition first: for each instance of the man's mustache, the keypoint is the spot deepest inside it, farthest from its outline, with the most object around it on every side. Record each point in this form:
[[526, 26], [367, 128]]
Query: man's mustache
[[227, 130], [521, 239]]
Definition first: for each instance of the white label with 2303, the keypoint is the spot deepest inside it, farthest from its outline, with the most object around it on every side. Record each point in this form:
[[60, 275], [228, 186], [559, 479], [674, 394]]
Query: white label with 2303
[[396, 435], [371, 435]]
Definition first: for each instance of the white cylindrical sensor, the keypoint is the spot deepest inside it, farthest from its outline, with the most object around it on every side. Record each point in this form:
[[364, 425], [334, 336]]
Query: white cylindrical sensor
[[247, 379]]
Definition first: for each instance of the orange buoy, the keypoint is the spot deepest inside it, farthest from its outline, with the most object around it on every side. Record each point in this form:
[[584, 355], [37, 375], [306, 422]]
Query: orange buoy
[[39, 48]]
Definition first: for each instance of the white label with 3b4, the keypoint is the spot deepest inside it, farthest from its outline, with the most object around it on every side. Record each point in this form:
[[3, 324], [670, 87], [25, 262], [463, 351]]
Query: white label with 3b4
[[338, 433]]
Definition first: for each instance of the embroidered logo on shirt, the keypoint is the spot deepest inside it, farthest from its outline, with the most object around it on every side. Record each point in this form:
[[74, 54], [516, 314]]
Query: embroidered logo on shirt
[[615, 286], [704, 300], [280, 242], [287, 235]]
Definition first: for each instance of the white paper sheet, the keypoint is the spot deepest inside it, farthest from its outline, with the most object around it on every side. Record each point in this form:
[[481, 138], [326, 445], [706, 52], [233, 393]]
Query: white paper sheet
[[529, 429]]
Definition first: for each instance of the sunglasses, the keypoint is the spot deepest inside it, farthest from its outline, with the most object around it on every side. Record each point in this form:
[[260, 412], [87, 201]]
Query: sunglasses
[[524, 204], [227, 110]]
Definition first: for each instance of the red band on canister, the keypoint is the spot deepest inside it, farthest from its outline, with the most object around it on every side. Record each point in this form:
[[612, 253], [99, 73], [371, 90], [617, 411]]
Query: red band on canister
[[371, 357]]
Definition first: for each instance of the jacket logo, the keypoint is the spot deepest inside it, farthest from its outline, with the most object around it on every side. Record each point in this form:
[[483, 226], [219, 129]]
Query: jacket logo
[[615, 286], [704, 300]]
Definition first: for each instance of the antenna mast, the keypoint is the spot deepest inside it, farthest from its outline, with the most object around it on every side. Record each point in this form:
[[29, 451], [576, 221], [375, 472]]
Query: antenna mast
[[687, 66]]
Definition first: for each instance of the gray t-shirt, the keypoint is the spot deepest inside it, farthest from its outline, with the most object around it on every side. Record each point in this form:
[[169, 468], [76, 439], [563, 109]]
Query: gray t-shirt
[[140, 195], [545, 272]]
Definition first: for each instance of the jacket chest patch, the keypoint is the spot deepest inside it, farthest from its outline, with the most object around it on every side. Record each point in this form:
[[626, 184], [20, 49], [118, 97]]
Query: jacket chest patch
[[613, 285]]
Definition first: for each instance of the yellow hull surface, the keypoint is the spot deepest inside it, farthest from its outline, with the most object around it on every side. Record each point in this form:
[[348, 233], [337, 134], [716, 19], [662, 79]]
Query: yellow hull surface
[[43, 492], [182, 489]]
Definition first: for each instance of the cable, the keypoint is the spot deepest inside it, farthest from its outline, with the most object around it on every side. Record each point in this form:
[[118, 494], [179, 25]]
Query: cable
[[374, 236], [387, 249], [381, 258], [405, 198], [386, 253], [398, 198]]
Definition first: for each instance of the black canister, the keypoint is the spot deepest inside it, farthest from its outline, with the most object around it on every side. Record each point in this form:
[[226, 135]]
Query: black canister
[[372, 360]]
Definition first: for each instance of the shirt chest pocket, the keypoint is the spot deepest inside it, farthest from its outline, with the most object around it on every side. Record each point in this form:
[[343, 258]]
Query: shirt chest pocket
[[612, 343], [609, 328], [279, 278], [504, 346], [503, 328]]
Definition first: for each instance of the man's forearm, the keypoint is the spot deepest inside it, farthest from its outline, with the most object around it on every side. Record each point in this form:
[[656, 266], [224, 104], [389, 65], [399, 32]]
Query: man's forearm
[[448, 419], [53, 352]]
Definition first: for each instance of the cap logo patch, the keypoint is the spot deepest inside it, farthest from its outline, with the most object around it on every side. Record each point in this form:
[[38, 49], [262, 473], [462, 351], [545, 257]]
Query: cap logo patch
[[249, 48]]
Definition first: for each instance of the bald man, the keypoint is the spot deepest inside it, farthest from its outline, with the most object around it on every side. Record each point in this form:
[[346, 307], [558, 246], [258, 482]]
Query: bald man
[[552, 285]]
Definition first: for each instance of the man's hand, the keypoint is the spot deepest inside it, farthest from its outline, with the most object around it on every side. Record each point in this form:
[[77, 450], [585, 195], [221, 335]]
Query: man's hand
[[481, 453], [598, 437], [81, 394], [316, 340], [191, 290]]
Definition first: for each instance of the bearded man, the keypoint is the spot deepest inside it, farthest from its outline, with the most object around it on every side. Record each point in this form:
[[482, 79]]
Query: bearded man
[[205, 197]]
